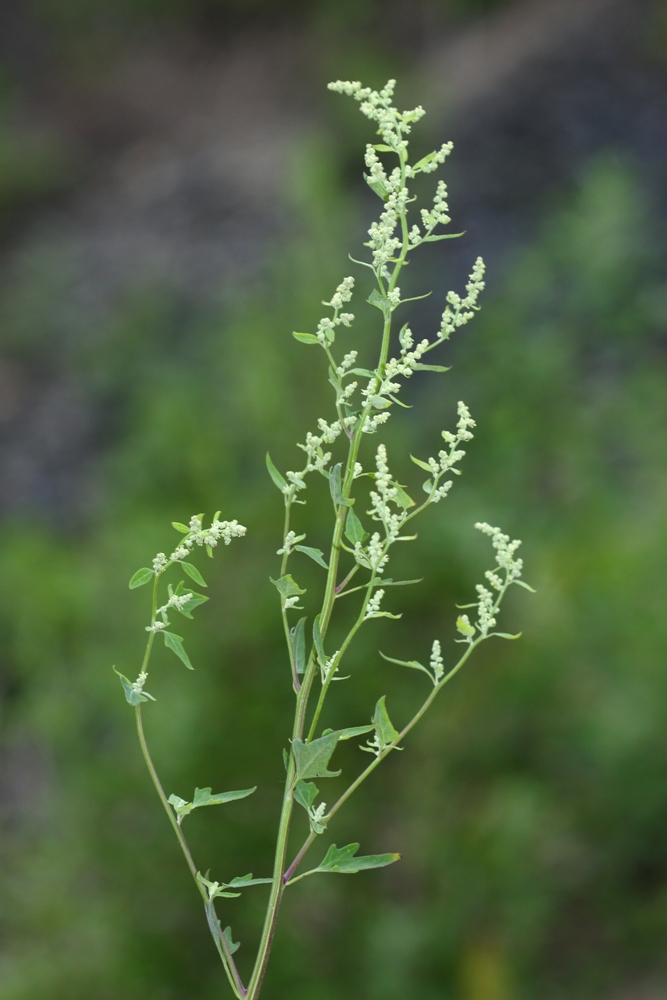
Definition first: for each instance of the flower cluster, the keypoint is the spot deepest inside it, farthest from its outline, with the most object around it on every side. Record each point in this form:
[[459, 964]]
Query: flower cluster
[[505, 550], [437, 662], [373, 607], [437, 216], [383, 495], [460, 311], [327, 325], [377, 105]]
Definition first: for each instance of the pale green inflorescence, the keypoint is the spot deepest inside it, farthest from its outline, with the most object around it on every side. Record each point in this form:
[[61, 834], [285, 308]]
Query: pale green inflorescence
[[363, 400]]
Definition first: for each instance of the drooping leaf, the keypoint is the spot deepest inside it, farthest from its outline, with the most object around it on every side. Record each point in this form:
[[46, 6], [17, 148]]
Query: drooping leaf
[[354, 529], [312, 759], [203, 797], [422, 465], [319, 645], [287, 586], [377, 185], [278, 479], [336, 486], [382, 723], [414, 664], [305, 793], [175, 643], [315, 554], [141, 577], [506, 635], [419, 367], [402, 497], [380, 302], [194, 574], [232, 946], [240, 882], [298, 640], [133, 697], [343, 860], [350, 733], [522, 583], [305, 338]]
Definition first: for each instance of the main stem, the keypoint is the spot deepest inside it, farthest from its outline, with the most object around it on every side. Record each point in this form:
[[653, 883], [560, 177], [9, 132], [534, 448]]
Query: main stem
[[303, 694]]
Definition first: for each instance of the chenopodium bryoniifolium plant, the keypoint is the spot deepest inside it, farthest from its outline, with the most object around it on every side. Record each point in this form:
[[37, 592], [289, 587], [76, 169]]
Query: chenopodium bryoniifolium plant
[[361, 546]]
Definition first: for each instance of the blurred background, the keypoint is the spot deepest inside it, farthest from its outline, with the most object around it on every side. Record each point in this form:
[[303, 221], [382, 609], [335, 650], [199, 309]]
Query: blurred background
[[178, 191]]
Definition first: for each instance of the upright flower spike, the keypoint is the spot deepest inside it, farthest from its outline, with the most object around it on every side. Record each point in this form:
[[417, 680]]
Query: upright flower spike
[[370, 511]]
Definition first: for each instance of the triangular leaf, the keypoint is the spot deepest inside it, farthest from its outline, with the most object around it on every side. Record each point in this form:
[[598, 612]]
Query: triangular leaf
[[141, 577], [203, 796], [278, 479], [354, 529], [317, 639], [414, 664], [194, 574], [343, 860], [244, 880], [175, 643], [315, 554], [287, 586], [383, 724], [232, 946], [380, 302], [305, 793], [298, 640], [312, 759], [402, 497], [133, 697], [336, 486]]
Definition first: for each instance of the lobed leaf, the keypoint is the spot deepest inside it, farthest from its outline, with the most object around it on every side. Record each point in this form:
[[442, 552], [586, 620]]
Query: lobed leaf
[[342, 860], [133, 697], [287, 586], [382, 723], [175, 643], [305, 793], [354, 529], [312, 759]]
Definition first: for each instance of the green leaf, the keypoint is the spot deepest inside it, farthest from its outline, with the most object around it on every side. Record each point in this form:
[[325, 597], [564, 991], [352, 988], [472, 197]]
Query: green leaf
[[183, 528], [414, 664], [380, 403], [354, 530], [402, 497], [175, 643], [383, 724], [422, 465], [305, 793], [141, 577], [312, 759], [522, 583], [443, 236], [336, 486], [305, 338], [399, 583], [133, 697], [194, 574], [232, 946], [342, 860], [317, 639], [287, 586], [380, 302], [381, 148], [425, 160], [194, 602], [279, 480], [418, 367], [298, 640], [377, 186], [315, 554], [349, 734], [203, 797], [240, 882], [366, 372], [506, 635]]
